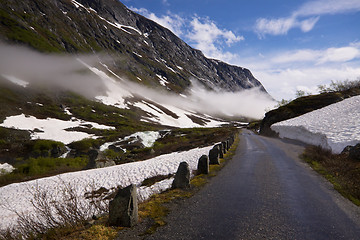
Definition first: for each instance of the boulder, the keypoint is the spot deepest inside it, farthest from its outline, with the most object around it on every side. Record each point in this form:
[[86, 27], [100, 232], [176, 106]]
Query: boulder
[[214, 155], [203, 165], [182, 176], [123, 209]]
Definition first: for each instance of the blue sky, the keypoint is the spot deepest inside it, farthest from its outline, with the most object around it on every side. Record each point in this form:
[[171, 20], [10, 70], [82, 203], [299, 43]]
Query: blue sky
[[288, 45]]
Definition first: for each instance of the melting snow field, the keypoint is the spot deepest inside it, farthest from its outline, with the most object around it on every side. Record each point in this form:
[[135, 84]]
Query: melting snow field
[[51, 128], [333, 127], [18, 195]]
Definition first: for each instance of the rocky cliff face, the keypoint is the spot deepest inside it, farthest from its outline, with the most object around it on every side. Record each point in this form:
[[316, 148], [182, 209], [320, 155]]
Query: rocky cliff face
[[142, 50]]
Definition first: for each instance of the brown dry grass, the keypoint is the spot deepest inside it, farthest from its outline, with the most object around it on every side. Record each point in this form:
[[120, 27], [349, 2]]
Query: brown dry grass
[[341, 171]]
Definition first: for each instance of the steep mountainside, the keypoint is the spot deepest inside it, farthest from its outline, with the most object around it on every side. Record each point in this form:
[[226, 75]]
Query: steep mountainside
[[84, 79], [142, 49]]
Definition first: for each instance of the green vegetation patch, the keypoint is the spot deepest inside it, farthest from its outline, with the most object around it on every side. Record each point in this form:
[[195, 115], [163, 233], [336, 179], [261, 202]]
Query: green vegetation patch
[[34, 168], [339, 169]]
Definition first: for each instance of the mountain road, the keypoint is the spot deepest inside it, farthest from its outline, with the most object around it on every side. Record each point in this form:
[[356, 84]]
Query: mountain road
[[264, 192]]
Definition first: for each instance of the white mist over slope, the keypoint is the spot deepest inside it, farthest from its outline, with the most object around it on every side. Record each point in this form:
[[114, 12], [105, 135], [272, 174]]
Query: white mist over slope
[[93, 77]]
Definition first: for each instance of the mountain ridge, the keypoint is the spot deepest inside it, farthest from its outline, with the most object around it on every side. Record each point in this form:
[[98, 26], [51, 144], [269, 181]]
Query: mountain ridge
[[144, 49]]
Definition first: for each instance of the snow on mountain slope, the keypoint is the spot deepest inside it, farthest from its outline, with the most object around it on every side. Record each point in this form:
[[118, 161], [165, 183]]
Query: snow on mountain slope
[[18, 195], [51, 128], [333, 127]]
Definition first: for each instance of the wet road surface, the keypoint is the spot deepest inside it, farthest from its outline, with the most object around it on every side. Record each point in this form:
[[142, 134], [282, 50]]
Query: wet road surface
[[264, 192]]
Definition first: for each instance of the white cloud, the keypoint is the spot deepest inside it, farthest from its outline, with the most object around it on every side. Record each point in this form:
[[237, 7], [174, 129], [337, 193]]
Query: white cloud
[[201, 33], [206, 36], [274, 26], [281, 26], [312, 9], [321, 7], [318, 57], [173, 22], [308, 24], [342, 54], [304, 69]]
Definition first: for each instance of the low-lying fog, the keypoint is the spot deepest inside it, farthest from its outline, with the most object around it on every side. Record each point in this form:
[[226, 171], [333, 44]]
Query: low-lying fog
[[69, 72]]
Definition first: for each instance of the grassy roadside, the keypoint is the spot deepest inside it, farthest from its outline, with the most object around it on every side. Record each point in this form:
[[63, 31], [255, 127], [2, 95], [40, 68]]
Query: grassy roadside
[[339, 169], [156, 208], [153, 212]]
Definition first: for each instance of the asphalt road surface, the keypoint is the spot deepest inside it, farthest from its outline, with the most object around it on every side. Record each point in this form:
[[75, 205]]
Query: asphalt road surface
[[264, 192]]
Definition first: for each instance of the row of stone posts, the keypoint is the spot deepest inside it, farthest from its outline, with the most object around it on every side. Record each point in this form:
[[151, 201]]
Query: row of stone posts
[[182, 176], [123, 209]]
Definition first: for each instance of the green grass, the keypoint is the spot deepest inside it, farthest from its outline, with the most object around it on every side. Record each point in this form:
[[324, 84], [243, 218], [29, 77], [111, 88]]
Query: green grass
[[342, 172], [34, 168]]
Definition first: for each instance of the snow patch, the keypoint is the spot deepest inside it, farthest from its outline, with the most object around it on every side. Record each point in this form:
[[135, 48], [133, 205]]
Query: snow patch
[[15, 80], [147, 138], [163, 80], [51, 128], [116, 94], [137, 54], [18, 195], [121, 27], [333, 127]]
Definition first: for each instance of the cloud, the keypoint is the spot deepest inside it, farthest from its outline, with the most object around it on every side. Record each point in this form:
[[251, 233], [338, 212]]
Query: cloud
[[283, 83], [282, 73], [322, 7], [61, 71], [318, 57], [206, 36], [173, 22], [343, 54], [88, 75], [201, 33], [311, 10], [281, 26]]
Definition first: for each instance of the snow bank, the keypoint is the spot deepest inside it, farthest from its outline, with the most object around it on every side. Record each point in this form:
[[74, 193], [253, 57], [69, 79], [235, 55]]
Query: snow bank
[[18, 195], [51, 128], [333, 127]]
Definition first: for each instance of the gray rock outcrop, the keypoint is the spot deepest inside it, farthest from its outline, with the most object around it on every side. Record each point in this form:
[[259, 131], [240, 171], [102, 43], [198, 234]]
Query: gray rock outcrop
[[123, 209]]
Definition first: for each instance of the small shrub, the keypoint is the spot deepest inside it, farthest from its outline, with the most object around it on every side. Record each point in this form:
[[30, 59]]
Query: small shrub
[[41, 145], [85, 144], [54, 217]]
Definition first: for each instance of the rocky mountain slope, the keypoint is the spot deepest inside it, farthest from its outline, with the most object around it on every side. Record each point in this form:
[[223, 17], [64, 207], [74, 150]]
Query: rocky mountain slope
[[142, 49], [78, 78]]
